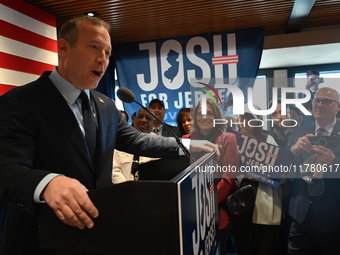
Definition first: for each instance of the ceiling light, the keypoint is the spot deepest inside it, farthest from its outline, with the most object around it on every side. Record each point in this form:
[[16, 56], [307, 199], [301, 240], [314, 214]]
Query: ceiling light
[[92, 14]]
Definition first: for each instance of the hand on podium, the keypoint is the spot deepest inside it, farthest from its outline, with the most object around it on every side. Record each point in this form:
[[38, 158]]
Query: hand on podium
[[204, 145], [69, 200]]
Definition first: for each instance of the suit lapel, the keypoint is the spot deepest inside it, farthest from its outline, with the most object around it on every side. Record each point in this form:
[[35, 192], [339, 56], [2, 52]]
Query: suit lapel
[[336, 129], [103, 152], [102, 122], [311, 129], [58, 107]]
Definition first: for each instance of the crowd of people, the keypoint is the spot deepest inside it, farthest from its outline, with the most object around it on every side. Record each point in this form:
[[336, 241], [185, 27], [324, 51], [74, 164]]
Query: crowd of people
[[46, 158], [299, 216]]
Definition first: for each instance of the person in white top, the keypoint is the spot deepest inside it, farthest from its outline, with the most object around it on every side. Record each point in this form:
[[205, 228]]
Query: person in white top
[[257, 232], [122, 161]]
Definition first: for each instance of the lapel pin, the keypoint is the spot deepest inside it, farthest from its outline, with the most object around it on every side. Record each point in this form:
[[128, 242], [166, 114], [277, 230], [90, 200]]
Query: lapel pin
[[101, 100]]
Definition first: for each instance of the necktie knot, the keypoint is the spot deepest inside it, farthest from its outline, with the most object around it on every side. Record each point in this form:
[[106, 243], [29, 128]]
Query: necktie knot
[[320, 131], [84, 100]]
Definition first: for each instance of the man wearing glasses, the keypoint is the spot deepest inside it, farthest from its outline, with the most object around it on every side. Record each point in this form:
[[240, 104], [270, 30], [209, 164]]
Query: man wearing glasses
[[315, 200]]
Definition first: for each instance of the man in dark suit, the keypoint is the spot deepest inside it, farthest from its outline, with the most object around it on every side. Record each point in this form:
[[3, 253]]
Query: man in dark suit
[[158, 108], [315, 201], [45, 155]]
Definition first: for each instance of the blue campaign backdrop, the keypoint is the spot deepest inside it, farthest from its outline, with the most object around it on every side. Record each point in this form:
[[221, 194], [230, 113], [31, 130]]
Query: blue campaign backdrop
[[107, 83], [169, 68]]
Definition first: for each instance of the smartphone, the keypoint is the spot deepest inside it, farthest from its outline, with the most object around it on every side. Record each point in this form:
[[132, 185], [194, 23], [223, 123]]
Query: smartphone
[[317, 80]]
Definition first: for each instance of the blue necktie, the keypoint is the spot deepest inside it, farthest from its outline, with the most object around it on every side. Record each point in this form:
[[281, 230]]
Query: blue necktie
[[89, 124]]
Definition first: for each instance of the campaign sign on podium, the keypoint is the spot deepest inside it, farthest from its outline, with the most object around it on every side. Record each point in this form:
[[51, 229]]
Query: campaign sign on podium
[[199, 210], [175, 212]]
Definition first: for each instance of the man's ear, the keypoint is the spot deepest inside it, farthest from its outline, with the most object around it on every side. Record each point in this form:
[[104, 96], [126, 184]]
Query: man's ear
[[338, 104], [63, 47]]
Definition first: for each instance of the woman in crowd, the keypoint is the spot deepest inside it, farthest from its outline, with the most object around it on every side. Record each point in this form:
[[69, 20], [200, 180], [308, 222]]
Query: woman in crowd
[[205, 130], [184, 122], [257, 232]]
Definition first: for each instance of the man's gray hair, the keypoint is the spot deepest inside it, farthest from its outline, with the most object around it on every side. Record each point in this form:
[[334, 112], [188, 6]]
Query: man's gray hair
[[336, 93]]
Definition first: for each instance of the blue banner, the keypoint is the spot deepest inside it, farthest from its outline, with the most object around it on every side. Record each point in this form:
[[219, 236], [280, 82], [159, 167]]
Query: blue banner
[[199, 211], [167, 69]]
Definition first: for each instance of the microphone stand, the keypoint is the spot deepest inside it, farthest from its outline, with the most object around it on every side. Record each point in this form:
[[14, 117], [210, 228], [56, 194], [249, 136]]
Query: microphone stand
[[184, 149]]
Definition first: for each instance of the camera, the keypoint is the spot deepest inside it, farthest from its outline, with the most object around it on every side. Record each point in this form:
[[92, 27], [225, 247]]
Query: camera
[[328, 141], [317, 80]]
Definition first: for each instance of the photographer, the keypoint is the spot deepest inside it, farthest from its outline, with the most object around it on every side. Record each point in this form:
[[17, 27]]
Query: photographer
[[315, 201]]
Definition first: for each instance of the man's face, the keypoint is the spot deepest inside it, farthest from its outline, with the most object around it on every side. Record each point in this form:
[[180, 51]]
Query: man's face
[[324, 112], [158, 110], [279, 116], [143, 121], [313, 86], [85, 64]]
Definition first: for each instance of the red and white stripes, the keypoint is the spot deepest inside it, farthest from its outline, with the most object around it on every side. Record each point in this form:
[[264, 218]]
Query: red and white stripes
[[28, 43], [225, 60]]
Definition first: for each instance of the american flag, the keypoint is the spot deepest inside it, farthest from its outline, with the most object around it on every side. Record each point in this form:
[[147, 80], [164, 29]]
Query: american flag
[[212, 187], [224, 60], [28, 43]]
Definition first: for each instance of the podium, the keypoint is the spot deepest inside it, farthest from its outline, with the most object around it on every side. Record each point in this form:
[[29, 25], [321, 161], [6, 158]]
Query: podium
[[171, 210]]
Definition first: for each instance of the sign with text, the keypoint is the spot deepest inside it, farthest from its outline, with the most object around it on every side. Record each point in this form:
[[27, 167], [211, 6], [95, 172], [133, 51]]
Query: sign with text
[[199, 208], [262, 161], [167, 68]]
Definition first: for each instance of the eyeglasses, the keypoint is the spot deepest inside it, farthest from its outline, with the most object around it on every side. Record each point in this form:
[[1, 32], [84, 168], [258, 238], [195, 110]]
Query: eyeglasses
[[140, 117], [324, 101]]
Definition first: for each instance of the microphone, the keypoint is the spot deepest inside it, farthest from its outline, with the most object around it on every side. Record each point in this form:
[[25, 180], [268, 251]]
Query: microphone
[[127, 96]]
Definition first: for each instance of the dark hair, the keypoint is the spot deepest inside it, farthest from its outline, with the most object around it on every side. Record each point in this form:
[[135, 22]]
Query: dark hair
[[297, 110], [258, 131], [313, 72], [147, 109], [156, 100], [181, 130], [127, 116], [133, 115], [271, 103], [278, 102], [69, 30], [217, 113]]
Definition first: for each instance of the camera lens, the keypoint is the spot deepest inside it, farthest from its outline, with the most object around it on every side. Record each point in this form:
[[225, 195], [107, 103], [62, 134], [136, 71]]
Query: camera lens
[[322, 142]]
